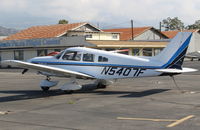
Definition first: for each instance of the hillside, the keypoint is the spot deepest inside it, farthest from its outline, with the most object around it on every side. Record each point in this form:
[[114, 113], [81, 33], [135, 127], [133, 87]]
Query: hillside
[[7, 31]]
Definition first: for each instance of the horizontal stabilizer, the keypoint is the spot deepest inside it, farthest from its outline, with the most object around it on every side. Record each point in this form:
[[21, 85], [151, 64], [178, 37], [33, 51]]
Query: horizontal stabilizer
[[183, 70]]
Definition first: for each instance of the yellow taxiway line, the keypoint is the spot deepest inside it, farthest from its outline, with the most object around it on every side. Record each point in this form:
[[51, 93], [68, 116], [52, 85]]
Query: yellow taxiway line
[[180, 121], [4, 112], [146, 119], [175, 121]]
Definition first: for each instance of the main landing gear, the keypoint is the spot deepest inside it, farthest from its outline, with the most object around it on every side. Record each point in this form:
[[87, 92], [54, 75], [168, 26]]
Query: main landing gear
[[47, 84], [72, 85], [45, 89], [102, 83], [68, 87]]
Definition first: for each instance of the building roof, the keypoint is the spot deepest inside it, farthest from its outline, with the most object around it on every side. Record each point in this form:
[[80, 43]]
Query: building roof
[[127, 44], [172, 34], [47, 31], [126, 33]]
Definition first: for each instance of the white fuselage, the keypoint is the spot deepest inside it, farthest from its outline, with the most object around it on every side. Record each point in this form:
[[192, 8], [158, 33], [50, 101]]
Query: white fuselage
[[104, 65]]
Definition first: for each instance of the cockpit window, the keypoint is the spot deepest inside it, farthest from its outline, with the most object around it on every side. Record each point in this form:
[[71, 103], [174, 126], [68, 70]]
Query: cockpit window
[[59, 55], [72, 55], [102, 59], [88, 57]]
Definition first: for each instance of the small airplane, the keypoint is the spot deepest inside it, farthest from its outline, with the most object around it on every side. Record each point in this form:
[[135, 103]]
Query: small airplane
[[104, 66], [193, 55]]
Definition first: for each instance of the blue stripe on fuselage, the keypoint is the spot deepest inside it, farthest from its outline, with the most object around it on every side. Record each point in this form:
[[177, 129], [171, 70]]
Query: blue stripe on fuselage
[[91, 64]]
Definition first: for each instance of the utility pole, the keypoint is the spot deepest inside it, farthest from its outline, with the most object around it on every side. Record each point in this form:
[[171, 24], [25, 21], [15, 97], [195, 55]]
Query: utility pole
[[160, 26], [132, 29], [98, 28]]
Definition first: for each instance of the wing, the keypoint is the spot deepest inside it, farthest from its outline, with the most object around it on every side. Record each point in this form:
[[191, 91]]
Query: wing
[[45, 68]]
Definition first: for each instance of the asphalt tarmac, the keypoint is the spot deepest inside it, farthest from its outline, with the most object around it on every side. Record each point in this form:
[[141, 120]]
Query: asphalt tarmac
[[153, 103]]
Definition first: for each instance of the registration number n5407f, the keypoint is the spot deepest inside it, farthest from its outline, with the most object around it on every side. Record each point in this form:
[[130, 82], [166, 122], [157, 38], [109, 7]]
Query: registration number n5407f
[[122, 71]]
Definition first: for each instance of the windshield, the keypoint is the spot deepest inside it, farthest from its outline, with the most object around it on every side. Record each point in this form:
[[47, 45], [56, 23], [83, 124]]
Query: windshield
[[72, 55], [59, 55]]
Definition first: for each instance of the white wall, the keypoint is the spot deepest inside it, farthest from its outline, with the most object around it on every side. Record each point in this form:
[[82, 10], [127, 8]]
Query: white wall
[[28, 54], [194, 43], [95, 35], [2, 37], [7, 55], [103, 36]]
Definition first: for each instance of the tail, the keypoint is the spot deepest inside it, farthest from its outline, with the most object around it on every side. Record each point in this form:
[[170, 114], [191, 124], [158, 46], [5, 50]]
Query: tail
[[173, 55]]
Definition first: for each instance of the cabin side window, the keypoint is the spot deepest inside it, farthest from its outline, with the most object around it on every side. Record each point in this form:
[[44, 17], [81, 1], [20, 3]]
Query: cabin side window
[[102, 59], [72, 55], [88, 57]]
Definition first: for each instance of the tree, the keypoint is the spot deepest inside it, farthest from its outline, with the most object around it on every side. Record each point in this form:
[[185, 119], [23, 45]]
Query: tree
[[196, 25], [172, 24], [63, 21]]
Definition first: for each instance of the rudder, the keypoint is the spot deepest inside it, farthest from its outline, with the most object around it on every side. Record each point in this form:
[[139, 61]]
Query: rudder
[[173, 55]]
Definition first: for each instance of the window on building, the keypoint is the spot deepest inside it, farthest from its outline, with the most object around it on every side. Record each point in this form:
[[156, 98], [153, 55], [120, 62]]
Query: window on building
[[19, 55], [136, 51], [42, 52], [74, 35], [110, 49], [114, 36], [124, 51], [88, 36], [57, 50], [88, 57], [157, 51], [102, 59], [72, 55], [147, 51]]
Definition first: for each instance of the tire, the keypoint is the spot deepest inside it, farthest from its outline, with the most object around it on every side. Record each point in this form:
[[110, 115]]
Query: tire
[[68, 91], [101, 86], [45, 89]]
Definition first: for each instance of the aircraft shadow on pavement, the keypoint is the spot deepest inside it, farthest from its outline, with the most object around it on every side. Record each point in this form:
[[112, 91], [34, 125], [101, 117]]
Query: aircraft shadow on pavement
[[16, 95], [128, 94], [87, 88]]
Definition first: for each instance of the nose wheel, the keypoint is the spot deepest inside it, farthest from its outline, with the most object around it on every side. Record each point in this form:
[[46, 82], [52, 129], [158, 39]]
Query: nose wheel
[[48, 78], [45, 89], [68, 91], [101, 86]]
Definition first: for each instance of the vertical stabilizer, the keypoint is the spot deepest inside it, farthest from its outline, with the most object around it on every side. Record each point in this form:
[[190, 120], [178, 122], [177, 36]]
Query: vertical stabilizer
[[173, 55]]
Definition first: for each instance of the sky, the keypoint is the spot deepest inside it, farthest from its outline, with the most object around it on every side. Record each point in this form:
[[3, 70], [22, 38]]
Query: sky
[[22, 14]]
